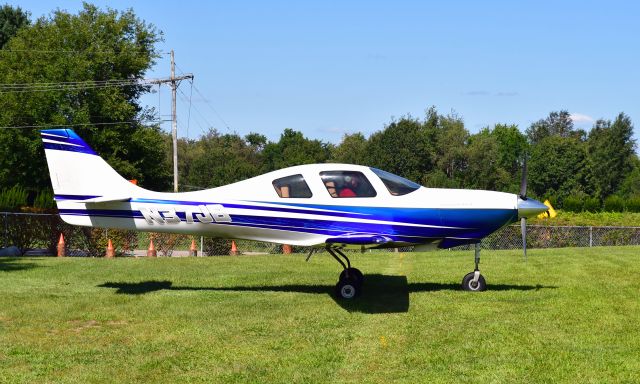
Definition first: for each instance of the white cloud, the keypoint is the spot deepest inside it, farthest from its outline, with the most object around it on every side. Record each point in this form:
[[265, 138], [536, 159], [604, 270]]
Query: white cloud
[[581, 118]]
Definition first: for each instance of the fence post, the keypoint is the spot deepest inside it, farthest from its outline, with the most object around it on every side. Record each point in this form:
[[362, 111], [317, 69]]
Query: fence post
[[201, 245], [590, 237], [6, 229]]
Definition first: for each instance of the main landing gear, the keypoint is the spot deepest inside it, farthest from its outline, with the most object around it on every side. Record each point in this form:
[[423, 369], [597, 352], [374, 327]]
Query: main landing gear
[[350, 281], [474, 281]]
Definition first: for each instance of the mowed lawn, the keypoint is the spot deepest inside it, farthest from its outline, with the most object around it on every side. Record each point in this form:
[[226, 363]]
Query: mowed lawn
[[567, 315]]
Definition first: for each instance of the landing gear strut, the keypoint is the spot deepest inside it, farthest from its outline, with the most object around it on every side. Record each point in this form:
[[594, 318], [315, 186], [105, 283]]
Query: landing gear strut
[[474, 281], [350, 281]]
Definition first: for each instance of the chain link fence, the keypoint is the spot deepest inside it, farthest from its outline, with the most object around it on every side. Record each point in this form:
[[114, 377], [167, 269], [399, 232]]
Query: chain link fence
[[38, 234]]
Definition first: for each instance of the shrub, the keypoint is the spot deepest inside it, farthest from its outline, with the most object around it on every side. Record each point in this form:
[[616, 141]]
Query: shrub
[[613, 204], [44, 201], [13, 198], [633, 204], [573, 204], [216, 246], [591, 204]]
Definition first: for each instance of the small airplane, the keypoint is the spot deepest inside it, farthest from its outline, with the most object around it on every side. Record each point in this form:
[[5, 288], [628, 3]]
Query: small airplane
[[330, 206]]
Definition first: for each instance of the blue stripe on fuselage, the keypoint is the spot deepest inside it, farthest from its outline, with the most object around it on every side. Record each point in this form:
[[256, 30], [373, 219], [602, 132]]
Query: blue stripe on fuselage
[[471, 223]]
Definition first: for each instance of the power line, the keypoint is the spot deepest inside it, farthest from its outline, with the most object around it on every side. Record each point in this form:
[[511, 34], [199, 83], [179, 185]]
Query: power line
[[77, 124], [206, 101], [212, 108], [88, 51]]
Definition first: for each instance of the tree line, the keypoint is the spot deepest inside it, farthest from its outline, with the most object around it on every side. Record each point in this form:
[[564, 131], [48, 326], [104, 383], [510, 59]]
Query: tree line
[[438, 151], [61, 70]]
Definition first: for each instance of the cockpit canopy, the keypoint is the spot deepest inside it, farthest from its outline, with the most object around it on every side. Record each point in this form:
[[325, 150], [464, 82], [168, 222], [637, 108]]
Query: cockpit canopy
[[345, 184]]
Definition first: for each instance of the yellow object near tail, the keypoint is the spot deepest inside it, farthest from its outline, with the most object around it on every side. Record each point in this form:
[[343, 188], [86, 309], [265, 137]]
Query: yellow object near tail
[[550, 213]]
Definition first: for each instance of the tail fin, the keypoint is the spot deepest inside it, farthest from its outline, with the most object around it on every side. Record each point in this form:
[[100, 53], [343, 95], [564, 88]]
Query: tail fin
[[78, 173]]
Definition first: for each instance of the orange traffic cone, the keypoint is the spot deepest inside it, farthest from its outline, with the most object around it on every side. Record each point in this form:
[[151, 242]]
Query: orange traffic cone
[[110, 251], [61, 248], [193, 251], [234, 248], [286, 249], [151, 252]]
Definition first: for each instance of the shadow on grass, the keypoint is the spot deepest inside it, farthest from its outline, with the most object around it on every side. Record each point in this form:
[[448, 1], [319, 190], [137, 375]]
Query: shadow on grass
[[8, 264], [381, 293]]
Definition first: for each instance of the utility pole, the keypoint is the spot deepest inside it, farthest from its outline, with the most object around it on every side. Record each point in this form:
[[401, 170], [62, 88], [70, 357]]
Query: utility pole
[[174, 123], [174, 82]]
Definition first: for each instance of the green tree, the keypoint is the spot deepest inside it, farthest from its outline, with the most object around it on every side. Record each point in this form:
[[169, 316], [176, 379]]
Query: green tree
[[217, 160], [506, 156], [611, 151], [294, 149], [557, 167], [484, 170], [630, 186], [90, 47], [405, 147], [11, 20], [351, 150], [556, 124], [451, 141]]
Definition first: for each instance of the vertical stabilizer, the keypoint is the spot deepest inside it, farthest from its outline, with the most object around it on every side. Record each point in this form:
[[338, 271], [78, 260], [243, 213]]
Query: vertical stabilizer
[[77, 172]]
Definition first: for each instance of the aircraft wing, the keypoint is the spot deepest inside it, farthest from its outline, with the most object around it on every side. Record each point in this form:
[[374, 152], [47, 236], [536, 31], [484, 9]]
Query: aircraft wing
[[359, 239]]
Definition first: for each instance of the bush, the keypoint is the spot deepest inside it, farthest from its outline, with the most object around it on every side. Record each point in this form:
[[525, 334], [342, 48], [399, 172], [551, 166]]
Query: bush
[[614, 204], [166, 243], [44, 201], [216, 247], [13, 199], [591, 204], [633, 204], [573, 204]]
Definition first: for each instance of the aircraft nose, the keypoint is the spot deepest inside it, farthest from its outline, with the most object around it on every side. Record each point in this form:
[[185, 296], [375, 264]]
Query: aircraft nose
[[530, 207]]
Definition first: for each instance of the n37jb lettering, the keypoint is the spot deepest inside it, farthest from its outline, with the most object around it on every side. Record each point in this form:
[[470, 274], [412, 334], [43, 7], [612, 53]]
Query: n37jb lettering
[[195, 214]]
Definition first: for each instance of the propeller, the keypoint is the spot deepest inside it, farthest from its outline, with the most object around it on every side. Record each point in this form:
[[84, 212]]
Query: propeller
[[523, 180], [527, 207]]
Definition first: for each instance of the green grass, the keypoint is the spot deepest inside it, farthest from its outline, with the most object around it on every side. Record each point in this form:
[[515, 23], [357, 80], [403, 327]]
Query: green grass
[[567, 315]]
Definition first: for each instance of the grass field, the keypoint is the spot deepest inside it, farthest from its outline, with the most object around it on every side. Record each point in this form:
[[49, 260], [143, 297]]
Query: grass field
[[567, 315]]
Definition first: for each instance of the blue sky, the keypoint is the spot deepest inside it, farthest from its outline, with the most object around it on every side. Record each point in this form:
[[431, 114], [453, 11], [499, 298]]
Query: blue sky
[[334, 67]]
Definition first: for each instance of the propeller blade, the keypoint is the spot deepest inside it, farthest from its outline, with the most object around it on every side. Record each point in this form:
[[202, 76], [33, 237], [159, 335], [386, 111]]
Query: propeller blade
[[523, 229], [523, 181]]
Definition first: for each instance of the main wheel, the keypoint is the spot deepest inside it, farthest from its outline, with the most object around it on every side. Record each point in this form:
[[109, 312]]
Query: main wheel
[[347, 289], [469, 285], [354, 273]]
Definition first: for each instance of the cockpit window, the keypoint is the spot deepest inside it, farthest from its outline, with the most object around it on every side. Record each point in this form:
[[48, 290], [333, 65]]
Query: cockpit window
[[396, 185], [292, 187], [347, 184]]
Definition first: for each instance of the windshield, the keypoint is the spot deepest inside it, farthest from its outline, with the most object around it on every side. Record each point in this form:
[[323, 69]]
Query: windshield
[[396, 185]]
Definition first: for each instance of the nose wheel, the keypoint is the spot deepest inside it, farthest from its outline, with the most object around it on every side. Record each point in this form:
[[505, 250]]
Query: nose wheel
[[474, 281], [350, 281]]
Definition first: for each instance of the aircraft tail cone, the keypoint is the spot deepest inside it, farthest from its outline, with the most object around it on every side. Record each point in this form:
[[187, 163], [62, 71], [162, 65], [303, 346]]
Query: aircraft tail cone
[[234, 248], [193, 251], [111, 252], [61, 247], [151, 252]]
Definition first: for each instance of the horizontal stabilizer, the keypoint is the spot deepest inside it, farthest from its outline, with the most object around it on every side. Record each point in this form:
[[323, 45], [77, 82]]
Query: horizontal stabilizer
[[359, 239], [107, 199]]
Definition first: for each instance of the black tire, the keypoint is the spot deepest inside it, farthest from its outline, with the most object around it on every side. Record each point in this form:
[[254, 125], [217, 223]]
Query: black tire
[[354, 273], [347, 289], [467, 283]]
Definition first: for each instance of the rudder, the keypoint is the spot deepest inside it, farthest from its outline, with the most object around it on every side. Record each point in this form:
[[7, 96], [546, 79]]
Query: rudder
[[76, 171]]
